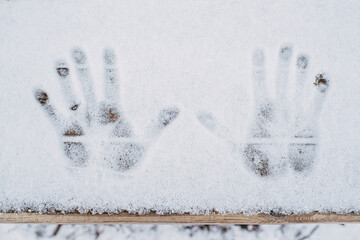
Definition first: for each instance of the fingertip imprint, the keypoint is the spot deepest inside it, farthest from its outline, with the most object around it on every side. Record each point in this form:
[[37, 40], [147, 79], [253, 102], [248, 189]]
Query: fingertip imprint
[[207, 120], [63, 72], [79, 56], [321, 82], [74, 107], [62, 69], [168, 115], [302, 62], [109, 56], [41, 96], [285, 53], [258, 57]]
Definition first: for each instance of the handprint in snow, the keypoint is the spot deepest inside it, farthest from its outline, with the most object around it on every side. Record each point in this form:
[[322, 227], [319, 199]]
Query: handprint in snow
[[284, 129], [99, 128]]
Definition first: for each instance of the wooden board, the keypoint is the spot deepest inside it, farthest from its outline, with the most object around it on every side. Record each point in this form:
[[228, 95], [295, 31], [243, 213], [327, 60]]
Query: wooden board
[[152, 218]]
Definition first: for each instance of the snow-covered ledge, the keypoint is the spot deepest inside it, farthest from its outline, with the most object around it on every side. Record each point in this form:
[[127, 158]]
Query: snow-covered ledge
[[194, 107]]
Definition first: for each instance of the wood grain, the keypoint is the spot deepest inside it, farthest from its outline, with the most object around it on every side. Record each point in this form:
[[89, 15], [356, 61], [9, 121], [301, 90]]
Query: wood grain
[[152, 218]]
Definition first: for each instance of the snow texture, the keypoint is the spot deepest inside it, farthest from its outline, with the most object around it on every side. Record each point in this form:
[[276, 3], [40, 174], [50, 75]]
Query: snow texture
[[227, 106]]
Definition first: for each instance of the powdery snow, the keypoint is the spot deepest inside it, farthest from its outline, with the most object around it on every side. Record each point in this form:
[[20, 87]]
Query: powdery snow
[[226, 106]]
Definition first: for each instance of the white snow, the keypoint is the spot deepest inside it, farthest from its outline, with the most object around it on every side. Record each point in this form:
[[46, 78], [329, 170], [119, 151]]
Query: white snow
[[189, 64]]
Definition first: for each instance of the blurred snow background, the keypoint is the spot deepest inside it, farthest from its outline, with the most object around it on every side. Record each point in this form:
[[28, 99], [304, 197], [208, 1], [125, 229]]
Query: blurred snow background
[[169, 232]]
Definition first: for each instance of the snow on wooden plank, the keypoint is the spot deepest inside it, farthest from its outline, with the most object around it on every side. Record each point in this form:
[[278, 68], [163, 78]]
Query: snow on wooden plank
[[152, 218]]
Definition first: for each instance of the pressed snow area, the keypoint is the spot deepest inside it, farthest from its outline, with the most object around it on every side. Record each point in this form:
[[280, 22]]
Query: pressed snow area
[[180, 106]]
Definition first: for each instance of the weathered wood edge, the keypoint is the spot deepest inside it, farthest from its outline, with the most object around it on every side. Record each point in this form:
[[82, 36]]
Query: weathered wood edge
[[152, 218]]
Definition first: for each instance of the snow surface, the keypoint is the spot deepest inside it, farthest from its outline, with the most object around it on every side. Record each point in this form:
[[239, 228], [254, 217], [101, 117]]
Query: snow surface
[[187, 124]]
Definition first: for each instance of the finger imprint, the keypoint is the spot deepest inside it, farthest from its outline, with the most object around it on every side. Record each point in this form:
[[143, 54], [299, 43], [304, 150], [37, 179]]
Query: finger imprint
[[207, 120], [258, 74], [256, 157], [85, 79], [168, 115], [63, 73], [285, 54], [302, 64], [263, 107], [79, 56], [164, 119], [43, 98], [112, 90], [282, 78], [322, 85], [302, 155]]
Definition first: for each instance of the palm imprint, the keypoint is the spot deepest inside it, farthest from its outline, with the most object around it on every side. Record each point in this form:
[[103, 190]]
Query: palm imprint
[[98, 134], [284, 129]]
